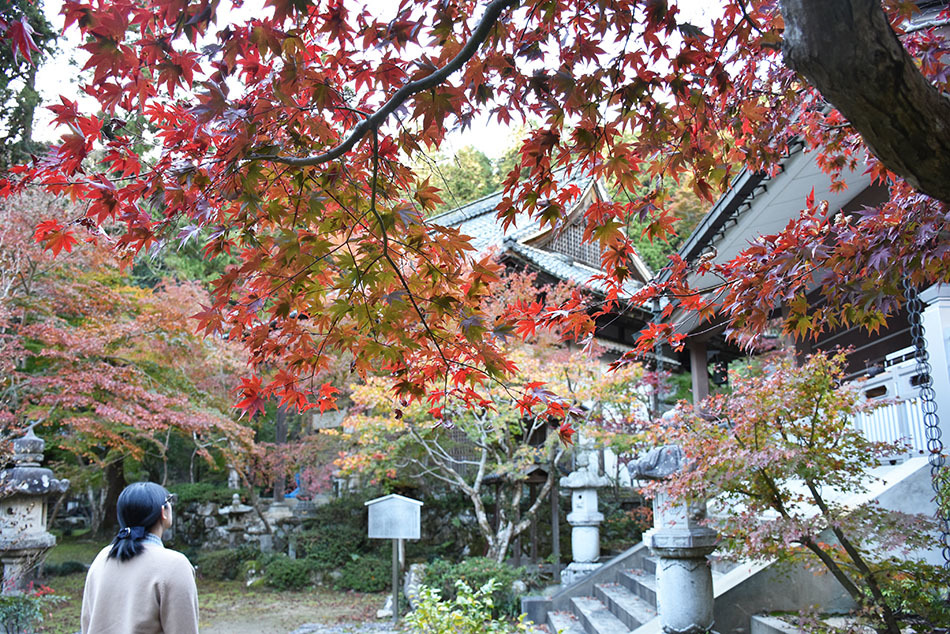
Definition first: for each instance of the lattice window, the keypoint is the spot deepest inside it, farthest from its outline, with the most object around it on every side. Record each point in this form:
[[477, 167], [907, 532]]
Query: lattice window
[[570, 243]]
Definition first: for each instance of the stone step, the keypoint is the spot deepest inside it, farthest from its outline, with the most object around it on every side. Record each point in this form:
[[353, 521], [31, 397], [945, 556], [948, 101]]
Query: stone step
[[650, 627], [640, 583], [646, 562], [596, 618], [632, 610], [564, 623]]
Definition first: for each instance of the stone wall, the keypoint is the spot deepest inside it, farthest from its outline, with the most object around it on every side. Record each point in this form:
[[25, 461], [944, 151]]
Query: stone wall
[[204, 526]]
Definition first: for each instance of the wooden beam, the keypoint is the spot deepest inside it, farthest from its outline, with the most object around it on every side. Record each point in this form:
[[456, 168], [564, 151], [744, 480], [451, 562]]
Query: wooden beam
[[698, 370]]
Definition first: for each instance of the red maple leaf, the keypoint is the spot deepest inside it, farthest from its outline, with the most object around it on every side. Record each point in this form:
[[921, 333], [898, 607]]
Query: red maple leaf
[[20, 34], [54, 237], [566, 433], [253, 401]]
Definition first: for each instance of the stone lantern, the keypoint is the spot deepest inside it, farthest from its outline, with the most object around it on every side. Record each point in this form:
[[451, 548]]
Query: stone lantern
[[235, 514], [24, 492], [681, 541], [584, 518]]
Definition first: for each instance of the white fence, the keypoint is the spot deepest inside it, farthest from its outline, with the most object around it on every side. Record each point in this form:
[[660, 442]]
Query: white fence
[[899, 421], [900, 418]]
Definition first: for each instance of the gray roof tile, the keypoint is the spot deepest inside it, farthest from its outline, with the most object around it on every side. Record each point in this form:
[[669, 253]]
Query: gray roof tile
[[478, 220]]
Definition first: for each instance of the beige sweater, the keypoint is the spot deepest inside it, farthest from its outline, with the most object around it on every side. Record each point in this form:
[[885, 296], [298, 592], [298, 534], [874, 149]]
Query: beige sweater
[[152, 593]]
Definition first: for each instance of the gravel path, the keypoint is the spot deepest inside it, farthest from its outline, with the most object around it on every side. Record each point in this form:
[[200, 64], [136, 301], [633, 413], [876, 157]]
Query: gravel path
[[346, 628]]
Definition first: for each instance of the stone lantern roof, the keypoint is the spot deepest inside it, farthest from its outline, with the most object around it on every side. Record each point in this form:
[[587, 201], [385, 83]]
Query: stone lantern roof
[[27, 477]]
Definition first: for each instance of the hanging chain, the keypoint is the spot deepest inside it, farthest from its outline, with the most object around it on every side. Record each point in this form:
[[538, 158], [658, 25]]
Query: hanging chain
[[928, 406]]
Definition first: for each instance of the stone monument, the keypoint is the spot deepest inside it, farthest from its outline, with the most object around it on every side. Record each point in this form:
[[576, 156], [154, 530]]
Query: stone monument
[[584, 517], [24, 492], [680, 541]]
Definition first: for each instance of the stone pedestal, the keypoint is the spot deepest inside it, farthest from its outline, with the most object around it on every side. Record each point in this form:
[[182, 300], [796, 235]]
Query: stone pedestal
[[584, 517], [684, 588]]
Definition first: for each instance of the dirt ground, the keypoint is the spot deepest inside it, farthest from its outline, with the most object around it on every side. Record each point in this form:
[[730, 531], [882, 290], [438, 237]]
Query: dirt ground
[[228, 607], [225, 607]]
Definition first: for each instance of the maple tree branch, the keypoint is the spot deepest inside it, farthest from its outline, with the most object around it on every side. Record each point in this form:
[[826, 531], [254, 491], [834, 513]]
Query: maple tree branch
[[855, 556], [492, 12], [836, 571]]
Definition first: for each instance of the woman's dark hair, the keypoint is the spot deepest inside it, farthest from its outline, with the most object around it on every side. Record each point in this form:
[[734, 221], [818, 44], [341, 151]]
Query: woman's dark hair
[[139, 507]]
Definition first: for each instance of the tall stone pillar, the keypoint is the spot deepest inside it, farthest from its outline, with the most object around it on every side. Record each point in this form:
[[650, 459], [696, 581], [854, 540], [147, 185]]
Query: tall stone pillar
[[680, 542], [584, 518]]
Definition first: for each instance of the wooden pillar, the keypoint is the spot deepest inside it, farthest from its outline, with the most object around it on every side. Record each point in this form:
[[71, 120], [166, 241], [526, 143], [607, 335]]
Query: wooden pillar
[[698, 370]]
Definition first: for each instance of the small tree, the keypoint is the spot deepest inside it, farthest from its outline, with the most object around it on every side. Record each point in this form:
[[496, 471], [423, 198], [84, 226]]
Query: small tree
[[495, 444], [780, 453]]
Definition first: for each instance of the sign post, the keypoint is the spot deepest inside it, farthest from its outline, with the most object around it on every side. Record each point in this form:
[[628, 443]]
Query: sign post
[[397, 518]]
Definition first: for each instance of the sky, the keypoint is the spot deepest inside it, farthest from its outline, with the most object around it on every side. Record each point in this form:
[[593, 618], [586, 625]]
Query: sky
[[61, 74]]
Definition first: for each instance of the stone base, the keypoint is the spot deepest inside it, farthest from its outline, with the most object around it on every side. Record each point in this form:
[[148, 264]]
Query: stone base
[[576, 571], [386, 612], [684, 595]]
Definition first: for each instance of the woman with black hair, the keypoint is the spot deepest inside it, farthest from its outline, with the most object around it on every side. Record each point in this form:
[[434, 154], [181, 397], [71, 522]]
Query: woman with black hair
[[136, 585]]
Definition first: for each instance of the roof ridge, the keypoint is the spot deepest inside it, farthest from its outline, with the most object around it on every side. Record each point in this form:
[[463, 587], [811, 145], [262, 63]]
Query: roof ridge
[[571, 178]]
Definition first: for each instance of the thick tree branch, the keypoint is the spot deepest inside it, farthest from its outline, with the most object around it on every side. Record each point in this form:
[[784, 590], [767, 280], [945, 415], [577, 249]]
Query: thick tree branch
[[373, 121], [848, 51]]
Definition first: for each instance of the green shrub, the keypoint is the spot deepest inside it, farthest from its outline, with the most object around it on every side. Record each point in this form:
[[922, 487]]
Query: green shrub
[[349, 511], [66, 568], [223, 564], [477, 572], [333, 546], [366, 574], [204, 492], [22, 613], [470, 612], [917, 591], [622, 528], [256, 567], [284, 573]]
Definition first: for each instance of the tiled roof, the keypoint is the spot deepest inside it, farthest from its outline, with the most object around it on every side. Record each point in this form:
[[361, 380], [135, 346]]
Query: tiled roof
[[477, 219], [563, 268]]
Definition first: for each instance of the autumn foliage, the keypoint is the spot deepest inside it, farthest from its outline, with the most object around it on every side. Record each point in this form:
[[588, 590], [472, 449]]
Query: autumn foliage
[[787, 476], [286, 139], [112, 370], [512, 432]]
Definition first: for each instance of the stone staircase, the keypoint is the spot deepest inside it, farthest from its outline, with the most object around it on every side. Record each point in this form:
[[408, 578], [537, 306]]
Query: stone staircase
[[616, 607], [618, 598]]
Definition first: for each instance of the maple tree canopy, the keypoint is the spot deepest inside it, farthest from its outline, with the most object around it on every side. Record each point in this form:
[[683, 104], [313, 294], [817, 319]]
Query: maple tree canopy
[[286, 139]]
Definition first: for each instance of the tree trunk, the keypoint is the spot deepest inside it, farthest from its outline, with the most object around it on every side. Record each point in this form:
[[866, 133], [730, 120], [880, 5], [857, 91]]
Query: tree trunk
[[115, 481], [848, 51], [280, 433], [29, 98], [54, 510], [95, 509]]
